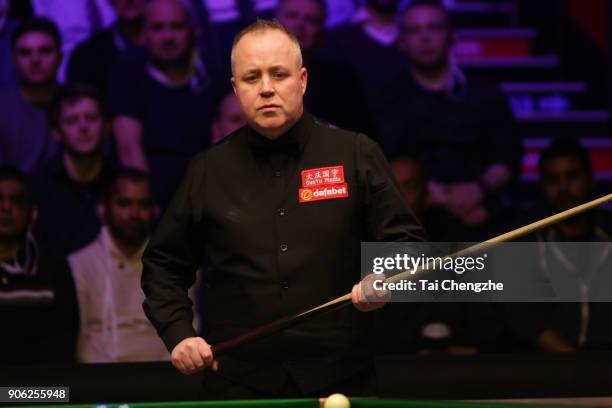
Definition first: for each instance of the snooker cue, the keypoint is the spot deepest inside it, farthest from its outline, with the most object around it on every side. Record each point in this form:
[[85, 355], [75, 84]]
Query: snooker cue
[[286, 322]]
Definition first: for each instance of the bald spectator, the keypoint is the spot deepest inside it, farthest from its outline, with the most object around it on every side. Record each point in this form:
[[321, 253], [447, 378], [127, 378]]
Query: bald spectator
[[461, 129], [67, 188], [92, 60], [228, 117], [161, 101], [334, 93], [38, 308], [25, 141]]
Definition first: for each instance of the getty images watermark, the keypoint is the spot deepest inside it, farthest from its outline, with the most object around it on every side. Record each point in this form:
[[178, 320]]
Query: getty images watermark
[[507, 272]]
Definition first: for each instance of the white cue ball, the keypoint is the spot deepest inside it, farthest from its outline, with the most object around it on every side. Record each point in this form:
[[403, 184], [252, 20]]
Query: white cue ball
[[337, 401]]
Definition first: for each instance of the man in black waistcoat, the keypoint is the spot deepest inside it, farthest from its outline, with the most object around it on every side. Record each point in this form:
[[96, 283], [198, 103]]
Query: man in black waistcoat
[[277, 211]]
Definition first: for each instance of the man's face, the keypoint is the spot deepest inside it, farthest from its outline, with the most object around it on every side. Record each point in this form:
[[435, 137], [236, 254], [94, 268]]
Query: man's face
[[230, 118], [129, 10], [81, 127], [565, 182], [268, 81], [412, 184], [425, 37], [37, 58], [169, 35], [305, 19], [130, 211], [15, 210]]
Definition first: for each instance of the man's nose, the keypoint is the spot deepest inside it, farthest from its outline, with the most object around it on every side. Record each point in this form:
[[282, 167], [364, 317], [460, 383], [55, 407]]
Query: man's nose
[[267, 89]]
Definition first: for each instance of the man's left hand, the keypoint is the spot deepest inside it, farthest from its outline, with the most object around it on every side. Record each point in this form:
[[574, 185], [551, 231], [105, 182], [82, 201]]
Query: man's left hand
[[365, 298]]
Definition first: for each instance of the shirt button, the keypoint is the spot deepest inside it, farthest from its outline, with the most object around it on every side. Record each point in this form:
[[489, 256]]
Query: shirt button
[[277, 174], [281, 212], [285, 285], [284, 247]]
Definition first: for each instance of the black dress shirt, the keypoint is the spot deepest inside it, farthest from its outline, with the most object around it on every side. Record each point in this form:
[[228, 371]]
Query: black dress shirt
[[270, 255]]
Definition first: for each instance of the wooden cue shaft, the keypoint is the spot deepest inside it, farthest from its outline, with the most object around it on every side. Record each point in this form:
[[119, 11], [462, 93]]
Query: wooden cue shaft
[[344, 300]]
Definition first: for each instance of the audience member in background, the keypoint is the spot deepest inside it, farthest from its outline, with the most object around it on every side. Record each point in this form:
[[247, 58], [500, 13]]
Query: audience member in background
[[368, 45], [161, 103], [38, 309], [76, 20], [24, 136], [68, 187], [334, 92], [426, 327], [107, 278], [8, 73], [413, 183], [228, 117], [566, 180], [92, 60], [461, 130]]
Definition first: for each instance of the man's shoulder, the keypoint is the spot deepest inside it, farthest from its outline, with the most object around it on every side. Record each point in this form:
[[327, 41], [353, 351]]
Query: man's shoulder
[[328, 133], [87, 255]]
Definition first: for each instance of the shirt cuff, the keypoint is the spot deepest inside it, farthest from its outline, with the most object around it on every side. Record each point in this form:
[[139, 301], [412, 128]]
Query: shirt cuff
[[177, 332]]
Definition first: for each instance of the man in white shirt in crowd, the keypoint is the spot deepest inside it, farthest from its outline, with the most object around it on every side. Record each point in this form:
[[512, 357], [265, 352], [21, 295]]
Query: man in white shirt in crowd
[[113, 326]]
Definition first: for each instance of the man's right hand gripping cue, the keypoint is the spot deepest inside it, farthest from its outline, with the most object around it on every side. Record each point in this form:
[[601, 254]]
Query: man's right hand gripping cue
[[193, 354]]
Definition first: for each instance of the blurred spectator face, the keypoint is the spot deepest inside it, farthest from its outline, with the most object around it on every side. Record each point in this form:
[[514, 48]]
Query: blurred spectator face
[[412, 182], [16, 211], [129, 10], [425, 37], [130, 211], [305, 19], [565, 182], [169, 34], [384, 6], [268, 80], [81, 127], [230, 118], [37, 58]]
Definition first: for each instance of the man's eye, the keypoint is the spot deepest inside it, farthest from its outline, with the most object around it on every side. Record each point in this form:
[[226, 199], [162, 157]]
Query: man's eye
[[250, 78], [279, 75]]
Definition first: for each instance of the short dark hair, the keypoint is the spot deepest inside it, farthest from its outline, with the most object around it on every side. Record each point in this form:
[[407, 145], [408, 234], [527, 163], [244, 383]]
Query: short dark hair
[[566, 147], [12, 173], [71, 93], [130, 174], [427, 3], [37, 25]]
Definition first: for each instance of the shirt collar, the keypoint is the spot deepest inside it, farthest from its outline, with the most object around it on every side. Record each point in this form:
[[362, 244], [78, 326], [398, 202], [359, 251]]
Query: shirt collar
[[196, 80], [290, 143], [109, 243], [386, 35]]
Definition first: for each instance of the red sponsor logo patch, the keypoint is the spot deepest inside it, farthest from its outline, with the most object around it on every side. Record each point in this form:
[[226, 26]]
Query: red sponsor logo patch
[[309, 194], [323, 176]]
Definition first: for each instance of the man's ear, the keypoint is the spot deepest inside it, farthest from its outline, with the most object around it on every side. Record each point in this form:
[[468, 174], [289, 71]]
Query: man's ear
[[304, 78], [102, 211], [33, 214]]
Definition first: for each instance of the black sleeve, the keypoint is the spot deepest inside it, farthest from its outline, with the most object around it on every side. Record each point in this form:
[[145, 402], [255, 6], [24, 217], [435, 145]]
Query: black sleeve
[[64, 324], [171, 259], [388, 217]]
